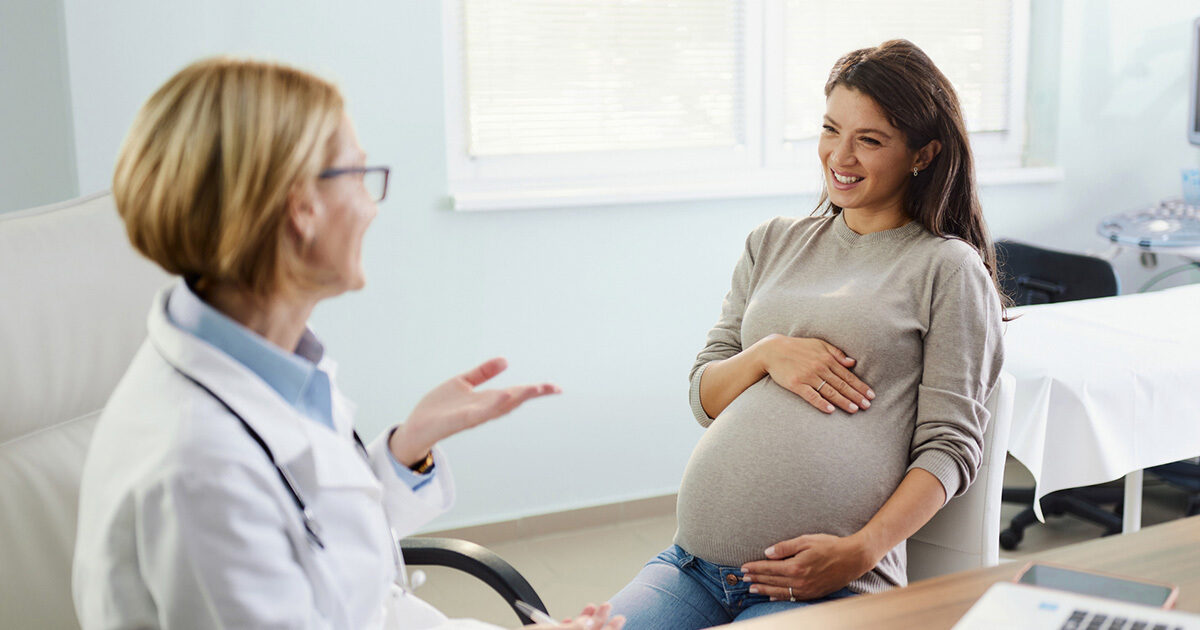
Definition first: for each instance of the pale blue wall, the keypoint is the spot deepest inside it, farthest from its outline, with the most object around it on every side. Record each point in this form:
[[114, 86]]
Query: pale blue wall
[[37, 149], [611, 303]]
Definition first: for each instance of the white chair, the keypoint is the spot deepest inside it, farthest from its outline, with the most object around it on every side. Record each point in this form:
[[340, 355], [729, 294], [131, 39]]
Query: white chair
[[965, 534], [74, 296], [73, 302]]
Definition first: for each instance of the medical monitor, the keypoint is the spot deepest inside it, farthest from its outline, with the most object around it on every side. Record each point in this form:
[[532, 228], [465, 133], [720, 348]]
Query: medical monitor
[[1194, 101]]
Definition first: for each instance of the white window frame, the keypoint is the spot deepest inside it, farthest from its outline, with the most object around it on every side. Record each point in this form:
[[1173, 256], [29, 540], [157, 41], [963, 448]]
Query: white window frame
[[763, 164]]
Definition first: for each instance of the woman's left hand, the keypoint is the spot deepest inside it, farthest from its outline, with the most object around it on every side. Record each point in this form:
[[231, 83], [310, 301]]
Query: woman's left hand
[[813, 565]]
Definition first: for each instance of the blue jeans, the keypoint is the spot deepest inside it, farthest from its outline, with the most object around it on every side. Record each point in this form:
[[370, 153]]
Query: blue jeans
[[679, 591]]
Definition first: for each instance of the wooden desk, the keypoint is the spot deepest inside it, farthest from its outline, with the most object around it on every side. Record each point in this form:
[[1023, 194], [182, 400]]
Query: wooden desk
[[1169, 552]]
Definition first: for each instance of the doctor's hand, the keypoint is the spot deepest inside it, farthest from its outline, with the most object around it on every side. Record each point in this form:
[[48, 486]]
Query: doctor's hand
[[591, 618], [813, 565], [457, 405], [816, 371]]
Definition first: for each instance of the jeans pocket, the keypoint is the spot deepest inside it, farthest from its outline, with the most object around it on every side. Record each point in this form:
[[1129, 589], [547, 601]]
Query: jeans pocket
[[675, 555]]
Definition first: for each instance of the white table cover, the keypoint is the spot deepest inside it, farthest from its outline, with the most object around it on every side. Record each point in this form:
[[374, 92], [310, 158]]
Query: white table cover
[[1105, 387]]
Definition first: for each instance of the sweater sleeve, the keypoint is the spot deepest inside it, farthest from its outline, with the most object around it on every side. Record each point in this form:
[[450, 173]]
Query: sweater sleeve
[[725, 338], [963, 354]]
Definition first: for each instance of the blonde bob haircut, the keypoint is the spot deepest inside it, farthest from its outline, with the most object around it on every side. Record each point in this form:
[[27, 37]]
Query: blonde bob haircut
[[203, 179]]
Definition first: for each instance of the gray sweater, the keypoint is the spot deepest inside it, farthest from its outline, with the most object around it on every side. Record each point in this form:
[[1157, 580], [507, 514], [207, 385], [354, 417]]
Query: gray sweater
[[921, 317]]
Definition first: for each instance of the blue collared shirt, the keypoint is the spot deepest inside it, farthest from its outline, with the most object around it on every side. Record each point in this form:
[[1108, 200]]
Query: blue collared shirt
[[295, 377]]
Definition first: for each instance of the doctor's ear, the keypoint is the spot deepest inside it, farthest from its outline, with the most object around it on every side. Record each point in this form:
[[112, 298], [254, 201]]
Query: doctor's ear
[[302, 215]]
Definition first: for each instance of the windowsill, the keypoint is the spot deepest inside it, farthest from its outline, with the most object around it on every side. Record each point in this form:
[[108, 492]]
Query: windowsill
[[533, 195]]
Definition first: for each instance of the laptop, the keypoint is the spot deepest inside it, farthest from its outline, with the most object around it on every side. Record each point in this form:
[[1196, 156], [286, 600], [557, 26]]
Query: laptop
[[1007, 605]]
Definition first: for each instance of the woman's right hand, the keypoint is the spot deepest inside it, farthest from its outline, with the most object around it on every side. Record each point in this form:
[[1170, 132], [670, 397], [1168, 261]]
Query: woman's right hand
[[591, 618], [816, 371]]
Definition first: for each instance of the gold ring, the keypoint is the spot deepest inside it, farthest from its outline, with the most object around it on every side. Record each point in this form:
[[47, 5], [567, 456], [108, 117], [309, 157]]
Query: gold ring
[[823, 384], [791, 595]]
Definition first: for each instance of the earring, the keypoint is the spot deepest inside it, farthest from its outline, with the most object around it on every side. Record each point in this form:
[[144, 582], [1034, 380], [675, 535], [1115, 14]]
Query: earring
[[915, 171]]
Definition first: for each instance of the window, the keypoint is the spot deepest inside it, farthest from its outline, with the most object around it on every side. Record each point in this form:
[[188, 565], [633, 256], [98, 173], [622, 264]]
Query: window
[[570, 102], [602, 76]]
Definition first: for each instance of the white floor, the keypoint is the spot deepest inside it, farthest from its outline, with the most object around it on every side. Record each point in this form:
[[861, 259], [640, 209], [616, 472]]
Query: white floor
[[571, 569]]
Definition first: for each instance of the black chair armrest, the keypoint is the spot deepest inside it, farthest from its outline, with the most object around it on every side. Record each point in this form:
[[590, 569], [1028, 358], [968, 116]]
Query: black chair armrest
[[477, 561]]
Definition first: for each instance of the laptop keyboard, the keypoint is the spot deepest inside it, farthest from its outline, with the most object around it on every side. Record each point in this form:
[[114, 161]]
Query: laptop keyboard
[[1085, 620]]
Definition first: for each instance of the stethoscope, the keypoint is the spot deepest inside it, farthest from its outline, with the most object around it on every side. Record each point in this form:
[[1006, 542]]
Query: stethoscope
[[311, 529]]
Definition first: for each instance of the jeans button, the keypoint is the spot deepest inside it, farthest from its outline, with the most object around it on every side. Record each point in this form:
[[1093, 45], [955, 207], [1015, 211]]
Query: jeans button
[[731, 579]]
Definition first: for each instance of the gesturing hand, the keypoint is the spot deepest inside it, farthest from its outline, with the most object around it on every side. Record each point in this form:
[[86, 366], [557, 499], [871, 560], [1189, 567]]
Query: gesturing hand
[[455, 406], [816, 371], [811, 566]]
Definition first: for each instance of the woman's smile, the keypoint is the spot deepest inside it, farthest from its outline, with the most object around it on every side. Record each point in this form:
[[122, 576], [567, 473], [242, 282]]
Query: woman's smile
[[843, 180]]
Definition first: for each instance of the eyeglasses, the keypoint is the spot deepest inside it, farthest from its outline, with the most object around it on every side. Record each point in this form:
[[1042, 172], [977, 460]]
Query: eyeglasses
[[374, 178]]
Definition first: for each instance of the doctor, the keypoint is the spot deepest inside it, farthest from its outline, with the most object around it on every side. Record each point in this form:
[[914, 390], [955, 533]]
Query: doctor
[[225, 486]]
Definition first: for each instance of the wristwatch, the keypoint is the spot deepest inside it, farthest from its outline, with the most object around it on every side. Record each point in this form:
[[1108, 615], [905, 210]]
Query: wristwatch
[[424, 465]]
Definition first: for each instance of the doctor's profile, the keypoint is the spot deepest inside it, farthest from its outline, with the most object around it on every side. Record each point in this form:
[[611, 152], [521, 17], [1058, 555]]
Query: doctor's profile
[[226, 486]]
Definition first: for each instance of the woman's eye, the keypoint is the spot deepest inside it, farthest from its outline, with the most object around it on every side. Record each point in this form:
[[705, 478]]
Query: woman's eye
[[829, 130], [870, 141]]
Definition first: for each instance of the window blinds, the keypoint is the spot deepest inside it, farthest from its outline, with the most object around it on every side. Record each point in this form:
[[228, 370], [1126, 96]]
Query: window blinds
[[599, 76], [558, 76], [969, 40]]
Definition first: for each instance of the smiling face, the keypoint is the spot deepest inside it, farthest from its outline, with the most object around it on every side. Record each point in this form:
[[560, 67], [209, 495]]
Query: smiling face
[[868, 164], [336, 216]]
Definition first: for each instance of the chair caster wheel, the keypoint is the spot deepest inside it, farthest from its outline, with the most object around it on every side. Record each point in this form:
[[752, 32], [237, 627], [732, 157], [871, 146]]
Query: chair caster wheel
[[1010, 538]]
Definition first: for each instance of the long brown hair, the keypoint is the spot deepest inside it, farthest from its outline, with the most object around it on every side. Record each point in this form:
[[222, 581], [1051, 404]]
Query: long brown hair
[[920, 101]]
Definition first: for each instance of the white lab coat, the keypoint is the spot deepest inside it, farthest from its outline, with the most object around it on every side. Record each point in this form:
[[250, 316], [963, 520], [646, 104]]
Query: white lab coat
[[183, 522]]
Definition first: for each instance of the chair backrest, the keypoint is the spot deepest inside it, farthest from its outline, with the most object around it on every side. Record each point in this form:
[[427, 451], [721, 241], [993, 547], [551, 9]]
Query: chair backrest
[[73, 302], [965, 534], [1035, 275]]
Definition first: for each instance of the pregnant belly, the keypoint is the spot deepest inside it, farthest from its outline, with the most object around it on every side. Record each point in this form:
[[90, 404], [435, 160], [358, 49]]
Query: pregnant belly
[[771, 467]]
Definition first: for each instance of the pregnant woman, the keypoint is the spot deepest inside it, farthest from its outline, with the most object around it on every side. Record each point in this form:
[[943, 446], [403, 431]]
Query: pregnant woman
[[843, 387]]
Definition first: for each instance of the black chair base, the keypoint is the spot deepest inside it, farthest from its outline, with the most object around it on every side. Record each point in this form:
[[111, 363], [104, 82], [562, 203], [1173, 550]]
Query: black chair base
[[1186, 476], [1085, 503]]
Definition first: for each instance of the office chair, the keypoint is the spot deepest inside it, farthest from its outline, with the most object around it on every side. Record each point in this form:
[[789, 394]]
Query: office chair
[[74, 298], [1033, 275]]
